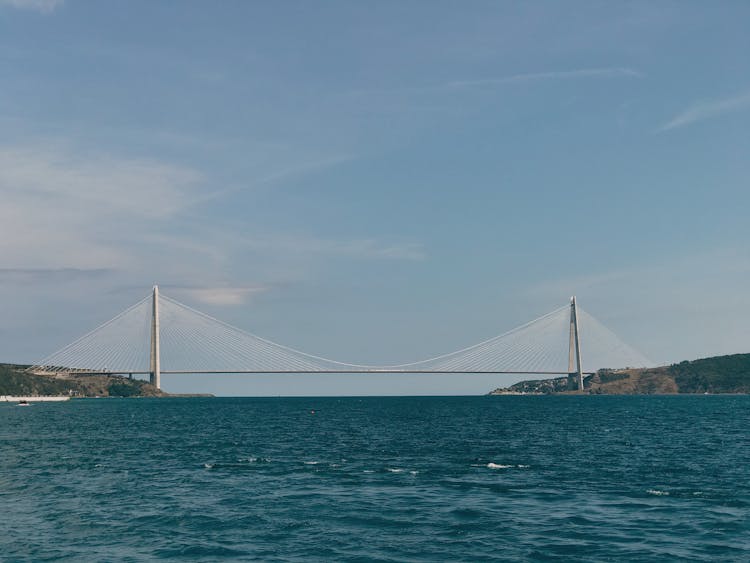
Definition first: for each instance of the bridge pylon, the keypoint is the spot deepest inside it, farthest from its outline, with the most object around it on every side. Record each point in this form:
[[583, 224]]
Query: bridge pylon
[[574, 349], [155, 360]]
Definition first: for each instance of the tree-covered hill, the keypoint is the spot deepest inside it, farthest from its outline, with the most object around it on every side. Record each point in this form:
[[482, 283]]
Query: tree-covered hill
[[720, 374]]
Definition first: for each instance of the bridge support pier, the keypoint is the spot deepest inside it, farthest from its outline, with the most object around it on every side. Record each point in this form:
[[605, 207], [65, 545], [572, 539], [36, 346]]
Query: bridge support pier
[[155, 367], [574, 349]]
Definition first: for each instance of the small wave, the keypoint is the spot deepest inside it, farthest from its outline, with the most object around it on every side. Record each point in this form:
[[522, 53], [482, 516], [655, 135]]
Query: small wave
[[395, 469], [491, 465], [240, 464], [311, 462], [413, 472], [253, 459], [368, 471], [657, 492], [498, 466]]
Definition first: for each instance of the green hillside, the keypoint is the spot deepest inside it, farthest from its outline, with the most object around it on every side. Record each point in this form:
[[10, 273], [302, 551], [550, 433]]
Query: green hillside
[[720, 374]]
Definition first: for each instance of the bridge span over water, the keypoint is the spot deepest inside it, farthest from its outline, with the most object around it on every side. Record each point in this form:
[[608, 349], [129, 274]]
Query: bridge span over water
[[159, 335]]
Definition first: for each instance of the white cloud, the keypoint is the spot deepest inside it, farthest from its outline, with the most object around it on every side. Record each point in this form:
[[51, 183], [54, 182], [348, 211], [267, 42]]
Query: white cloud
[[64, 210], [61, 210], [41, 6], [94, 184], [708, 110], [614, 72], [219, 295]]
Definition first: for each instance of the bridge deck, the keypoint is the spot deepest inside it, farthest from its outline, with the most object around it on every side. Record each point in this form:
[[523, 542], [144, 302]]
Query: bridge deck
[[328, 371]]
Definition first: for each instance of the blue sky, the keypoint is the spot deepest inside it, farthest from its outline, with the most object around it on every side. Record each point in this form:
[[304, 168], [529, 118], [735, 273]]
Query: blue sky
[[376, 182]]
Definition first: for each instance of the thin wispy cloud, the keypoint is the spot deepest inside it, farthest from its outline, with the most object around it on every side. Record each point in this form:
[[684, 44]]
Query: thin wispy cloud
[[41, 6], [51, 275], [709, 110], [284, 172], [609, 72], [352, 248]]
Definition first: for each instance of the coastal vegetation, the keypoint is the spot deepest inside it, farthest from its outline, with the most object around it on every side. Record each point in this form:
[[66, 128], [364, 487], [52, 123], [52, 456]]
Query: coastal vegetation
[[720, 374], [14, 380]]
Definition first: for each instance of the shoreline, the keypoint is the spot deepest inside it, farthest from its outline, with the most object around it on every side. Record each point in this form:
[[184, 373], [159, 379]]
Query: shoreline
[[33, 399]]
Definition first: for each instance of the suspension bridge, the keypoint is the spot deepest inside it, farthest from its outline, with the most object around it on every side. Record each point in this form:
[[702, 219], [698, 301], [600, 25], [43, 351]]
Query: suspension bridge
[[159, 335]]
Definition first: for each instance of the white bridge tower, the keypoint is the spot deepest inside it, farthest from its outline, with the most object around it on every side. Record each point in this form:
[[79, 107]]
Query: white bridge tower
[[574, 349], [155, 367]]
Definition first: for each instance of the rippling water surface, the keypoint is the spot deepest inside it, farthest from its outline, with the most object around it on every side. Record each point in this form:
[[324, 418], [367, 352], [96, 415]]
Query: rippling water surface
[[377, 479]]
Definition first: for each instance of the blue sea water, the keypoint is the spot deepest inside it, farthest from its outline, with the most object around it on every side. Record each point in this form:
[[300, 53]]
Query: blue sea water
[[377, 479]]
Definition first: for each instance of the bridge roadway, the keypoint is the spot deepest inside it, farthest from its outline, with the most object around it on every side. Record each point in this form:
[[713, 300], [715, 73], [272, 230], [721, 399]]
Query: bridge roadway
[[270, 372]]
